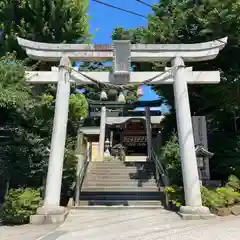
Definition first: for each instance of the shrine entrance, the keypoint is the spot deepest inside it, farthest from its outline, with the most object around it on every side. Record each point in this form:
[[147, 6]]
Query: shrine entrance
[[126, 126], [122, 53], [132, 135]]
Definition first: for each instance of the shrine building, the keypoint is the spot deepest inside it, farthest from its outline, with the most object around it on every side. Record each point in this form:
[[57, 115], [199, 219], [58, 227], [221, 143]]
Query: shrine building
[[125, 126]]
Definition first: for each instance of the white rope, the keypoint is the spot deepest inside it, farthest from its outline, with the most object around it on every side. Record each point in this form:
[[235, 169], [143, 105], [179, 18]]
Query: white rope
[[119, 87]]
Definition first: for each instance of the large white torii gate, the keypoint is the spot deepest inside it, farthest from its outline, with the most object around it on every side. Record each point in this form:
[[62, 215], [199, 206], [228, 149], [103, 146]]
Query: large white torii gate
[[122, 53]]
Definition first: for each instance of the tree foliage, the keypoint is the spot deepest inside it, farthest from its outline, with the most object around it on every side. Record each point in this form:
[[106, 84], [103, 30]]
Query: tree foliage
[[26, 126], [43, 21], [170, 158], [27, 111], [19, 205], [188, 21]]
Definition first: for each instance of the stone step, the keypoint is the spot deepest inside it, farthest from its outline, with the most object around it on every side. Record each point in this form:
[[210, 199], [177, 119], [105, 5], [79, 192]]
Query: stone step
[[120, 164], [115, 163], [120, 202], [119, 174], [118, 178], [119, 170], [120, 189], [119, 184], [98, 169], [122, 196], [116, 207], [122, 168], [126, 179]]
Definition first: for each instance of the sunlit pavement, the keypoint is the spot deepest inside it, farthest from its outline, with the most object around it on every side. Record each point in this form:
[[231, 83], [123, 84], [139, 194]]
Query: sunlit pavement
[[142, 224]]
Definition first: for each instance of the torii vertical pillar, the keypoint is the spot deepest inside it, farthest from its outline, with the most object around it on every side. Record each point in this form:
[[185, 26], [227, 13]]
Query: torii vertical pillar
[[55, 165], [149, 131], [102, 133], [193, 201]]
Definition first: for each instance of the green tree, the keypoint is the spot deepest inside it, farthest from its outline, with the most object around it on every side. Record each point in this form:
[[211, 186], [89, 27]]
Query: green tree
[[169, 155], [26, 126], [202, 21], [44, 21], [27, 112]]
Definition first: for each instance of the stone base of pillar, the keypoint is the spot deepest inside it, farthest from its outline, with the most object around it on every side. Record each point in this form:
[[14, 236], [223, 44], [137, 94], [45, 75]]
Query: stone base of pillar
[[49, 215], [195, 213]]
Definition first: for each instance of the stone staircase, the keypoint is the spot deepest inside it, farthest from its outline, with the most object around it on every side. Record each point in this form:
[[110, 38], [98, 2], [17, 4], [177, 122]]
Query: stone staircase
[[115, 183]]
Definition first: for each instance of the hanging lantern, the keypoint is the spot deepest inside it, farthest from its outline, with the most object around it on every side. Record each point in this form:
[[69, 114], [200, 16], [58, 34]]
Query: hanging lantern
[[121, 98], [140, 91], [103, 95]]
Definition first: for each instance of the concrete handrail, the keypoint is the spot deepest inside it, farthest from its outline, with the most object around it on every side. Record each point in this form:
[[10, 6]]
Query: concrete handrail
[[81, 171]]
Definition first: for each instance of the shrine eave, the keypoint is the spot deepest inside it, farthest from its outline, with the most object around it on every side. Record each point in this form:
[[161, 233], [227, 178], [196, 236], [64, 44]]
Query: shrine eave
[[201, 151], [138, 52], [90, 130], [129, 105], [120, 120]]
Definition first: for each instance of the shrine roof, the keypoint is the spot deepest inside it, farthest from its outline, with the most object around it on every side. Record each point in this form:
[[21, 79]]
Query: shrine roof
[[129, 105], [119, 120], [90, 130], [95, 130], [130, 113], [201, 151]]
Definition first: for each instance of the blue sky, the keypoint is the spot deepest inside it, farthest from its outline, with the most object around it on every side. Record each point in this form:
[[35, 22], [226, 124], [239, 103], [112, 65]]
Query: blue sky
[[104, 19]]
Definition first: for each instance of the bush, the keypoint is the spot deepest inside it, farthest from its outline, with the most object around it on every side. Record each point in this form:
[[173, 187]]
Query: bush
[[212, 198], [170, 157], [234, 183], [69, 175], [19, 204], [220, 197], [175, 195]]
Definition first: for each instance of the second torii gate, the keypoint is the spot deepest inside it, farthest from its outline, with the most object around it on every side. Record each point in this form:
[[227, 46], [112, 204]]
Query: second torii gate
[[122, 53]]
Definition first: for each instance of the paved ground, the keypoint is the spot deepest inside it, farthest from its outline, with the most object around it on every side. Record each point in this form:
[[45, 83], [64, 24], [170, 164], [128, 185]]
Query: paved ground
[[24, 232], [137, 224], [132, 224]]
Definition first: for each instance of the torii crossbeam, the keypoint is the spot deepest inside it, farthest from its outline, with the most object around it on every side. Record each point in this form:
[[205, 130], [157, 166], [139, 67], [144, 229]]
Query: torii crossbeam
[[122, 53], [193, 77]]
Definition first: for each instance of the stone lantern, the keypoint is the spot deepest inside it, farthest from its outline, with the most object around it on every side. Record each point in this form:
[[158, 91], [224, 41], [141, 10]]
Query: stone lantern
[[107, 146], [203, 156]]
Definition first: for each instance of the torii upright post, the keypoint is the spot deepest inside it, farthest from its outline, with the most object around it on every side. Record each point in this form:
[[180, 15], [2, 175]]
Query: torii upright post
[[186, 141], [55, 165], [121, 52]]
